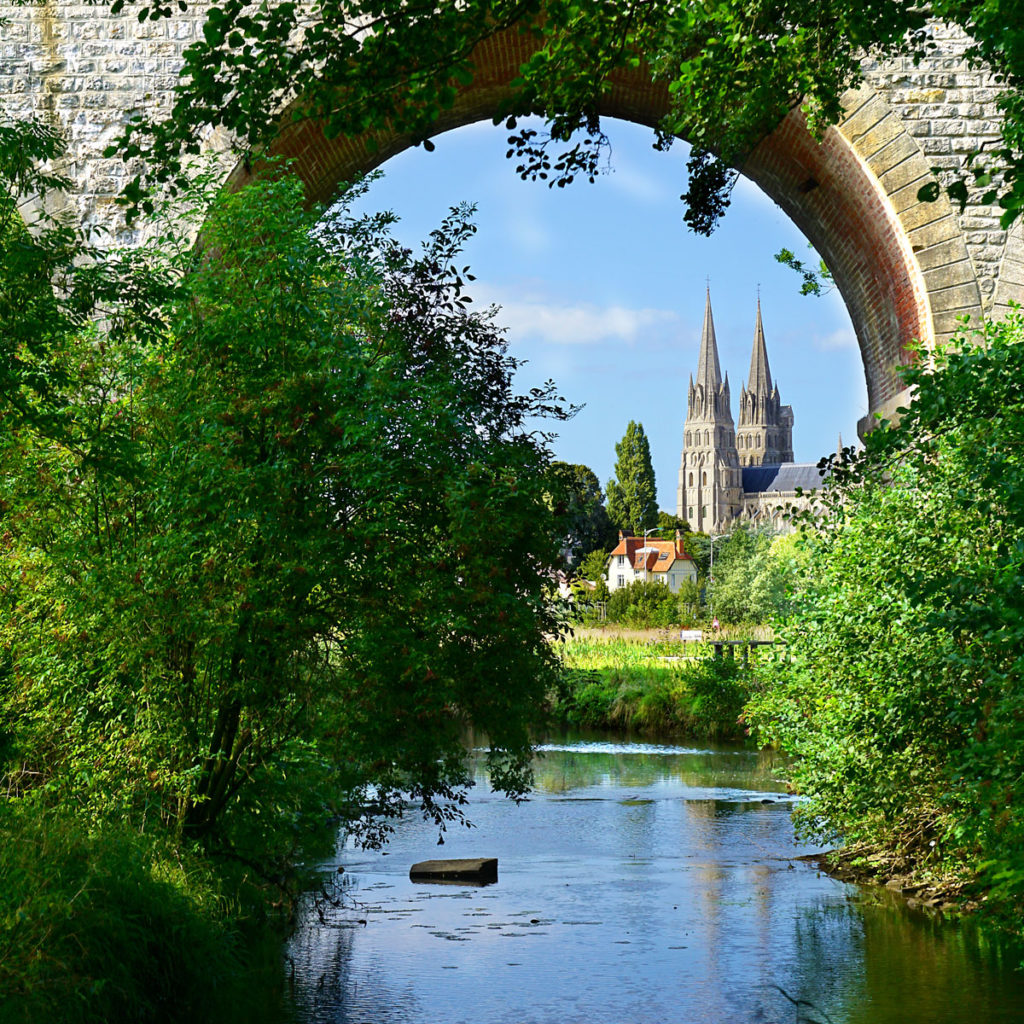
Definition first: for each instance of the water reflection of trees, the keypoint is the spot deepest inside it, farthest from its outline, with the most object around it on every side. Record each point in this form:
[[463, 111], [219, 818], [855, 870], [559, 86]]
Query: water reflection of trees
[[322, 961], [563, 771], [873, 961]]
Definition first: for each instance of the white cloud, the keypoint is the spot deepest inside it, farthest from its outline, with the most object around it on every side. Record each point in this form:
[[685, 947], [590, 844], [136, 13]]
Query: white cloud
[[842, 338], [532, 314], [528, 232], [637, 185]]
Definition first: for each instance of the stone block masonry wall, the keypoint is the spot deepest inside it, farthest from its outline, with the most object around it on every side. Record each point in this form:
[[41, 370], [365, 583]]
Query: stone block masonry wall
[[905, 269], [950, 109], [77, 66]]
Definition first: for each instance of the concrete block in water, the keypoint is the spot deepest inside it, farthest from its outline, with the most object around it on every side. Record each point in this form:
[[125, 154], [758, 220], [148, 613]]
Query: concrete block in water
[[473, 869]]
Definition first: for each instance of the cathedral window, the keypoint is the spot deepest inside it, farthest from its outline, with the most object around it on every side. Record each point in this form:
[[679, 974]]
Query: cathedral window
[[687, 439], [707, 438], [704, 479], [691, 479], [690, 513], [759, 441]]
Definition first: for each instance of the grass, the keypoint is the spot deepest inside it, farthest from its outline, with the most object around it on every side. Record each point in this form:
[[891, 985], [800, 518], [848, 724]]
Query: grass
[[101, 924], [648, 682]]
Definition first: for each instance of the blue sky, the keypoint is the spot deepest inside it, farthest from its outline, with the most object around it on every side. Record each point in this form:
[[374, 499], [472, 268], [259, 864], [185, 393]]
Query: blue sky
[[602, 289]]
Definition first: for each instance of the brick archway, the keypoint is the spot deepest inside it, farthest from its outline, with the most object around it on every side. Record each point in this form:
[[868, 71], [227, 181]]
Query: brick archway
[[902, 267]]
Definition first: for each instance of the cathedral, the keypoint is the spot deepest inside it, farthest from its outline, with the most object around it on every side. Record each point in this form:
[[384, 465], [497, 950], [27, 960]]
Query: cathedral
[[730, 473]]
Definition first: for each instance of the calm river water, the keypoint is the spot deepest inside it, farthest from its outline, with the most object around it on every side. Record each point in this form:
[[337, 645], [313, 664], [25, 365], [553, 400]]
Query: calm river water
[[644, 884]]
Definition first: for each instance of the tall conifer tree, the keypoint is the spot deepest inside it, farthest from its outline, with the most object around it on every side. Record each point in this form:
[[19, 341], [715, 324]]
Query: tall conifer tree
[[632, 504]]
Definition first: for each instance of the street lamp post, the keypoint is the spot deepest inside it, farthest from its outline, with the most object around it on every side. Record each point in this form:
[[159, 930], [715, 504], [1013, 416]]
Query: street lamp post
[[645, 550], [711, 573]]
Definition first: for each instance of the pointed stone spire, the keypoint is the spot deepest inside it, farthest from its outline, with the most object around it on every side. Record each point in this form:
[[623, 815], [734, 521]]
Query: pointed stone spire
[[710, 485], [760, 380], [708, 372]]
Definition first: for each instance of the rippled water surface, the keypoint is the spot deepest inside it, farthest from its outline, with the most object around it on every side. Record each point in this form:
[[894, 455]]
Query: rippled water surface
[[639, 883]]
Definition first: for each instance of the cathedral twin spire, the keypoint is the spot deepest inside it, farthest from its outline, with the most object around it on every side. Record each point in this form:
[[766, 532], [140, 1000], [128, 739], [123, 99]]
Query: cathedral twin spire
[[714, 450], [760, 379], [708, 371], [765, 433], [710, 394]]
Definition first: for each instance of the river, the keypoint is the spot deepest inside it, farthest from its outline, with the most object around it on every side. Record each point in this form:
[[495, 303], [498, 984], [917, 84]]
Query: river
[[640, 883]]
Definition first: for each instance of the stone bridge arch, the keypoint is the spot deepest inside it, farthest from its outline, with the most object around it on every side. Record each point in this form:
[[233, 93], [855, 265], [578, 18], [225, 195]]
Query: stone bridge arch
[[905, 269]]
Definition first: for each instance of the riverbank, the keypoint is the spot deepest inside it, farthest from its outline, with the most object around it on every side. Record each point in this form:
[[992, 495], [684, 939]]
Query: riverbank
[[651, 682], [880, 868]]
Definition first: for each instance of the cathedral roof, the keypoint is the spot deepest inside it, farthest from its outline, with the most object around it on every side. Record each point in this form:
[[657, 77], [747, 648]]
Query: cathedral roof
[[708, 371], [786, 477], [760, 379]]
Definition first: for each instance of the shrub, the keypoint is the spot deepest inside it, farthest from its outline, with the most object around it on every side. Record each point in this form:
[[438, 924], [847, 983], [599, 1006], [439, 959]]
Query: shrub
[[643, 604], [100, 924], [629, 685], [718, 689]]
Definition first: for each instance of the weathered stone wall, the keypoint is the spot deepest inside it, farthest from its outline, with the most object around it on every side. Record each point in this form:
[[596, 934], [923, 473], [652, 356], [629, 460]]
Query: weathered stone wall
[[950, 109], [77, 66], [905, 269]]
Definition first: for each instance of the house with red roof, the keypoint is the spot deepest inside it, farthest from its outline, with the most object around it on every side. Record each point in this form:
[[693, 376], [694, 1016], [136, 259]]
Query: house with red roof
[[637, 558]]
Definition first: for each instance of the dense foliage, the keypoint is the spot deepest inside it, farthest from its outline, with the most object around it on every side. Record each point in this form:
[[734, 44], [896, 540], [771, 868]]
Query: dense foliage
[[643, 604], [103, 925], [252, 578], [732, 68], [903, 698], [632, 494], [753, 570], [576, 496], [52, 281]]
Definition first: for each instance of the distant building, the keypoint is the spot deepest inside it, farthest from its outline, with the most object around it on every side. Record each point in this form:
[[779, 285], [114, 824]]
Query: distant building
[[725, 474], [638, 559]]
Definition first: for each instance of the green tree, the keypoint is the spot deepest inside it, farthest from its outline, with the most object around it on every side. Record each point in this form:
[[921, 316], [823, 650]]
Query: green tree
[[669, 525], [688, 601], [594, 566], [749, 579], [252, 582], [901, 694], [698, 547], [632, 501], [52, 281], [576, 494]]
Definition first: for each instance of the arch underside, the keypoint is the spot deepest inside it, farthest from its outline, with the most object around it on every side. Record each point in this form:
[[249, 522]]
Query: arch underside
[[901, 266]]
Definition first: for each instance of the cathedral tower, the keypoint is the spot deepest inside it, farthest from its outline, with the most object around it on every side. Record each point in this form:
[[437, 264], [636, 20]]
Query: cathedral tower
[[765, 434], [710, 490]]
